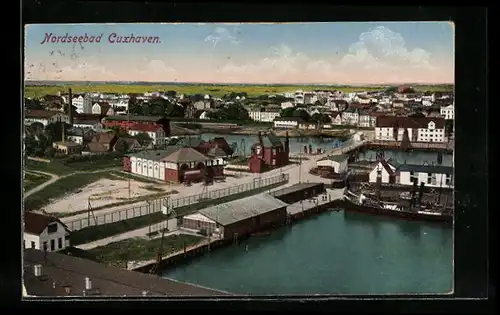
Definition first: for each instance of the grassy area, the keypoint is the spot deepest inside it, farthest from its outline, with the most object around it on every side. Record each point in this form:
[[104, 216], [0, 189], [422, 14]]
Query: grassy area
[[156, 233], [94, 233], [135, 249], [60, 188], [139, 249], [59, 168], [32, 180]]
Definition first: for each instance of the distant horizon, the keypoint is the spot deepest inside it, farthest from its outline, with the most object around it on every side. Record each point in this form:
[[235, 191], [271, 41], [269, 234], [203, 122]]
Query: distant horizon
[[347, 53], [242, 83]]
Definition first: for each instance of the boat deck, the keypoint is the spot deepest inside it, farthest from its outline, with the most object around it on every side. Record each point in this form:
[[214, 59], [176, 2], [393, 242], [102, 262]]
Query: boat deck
[[304, 205]]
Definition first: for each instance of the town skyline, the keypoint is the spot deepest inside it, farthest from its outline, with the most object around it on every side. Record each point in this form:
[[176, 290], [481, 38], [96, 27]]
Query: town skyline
[[262, 54]]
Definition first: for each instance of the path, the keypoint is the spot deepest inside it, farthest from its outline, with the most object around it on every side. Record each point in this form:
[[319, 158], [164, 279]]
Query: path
[[55, 177]]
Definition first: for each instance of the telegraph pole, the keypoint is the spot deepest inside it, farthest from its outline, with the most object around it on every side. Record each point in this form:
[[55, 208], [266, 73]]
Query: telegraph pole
[[128, 132]]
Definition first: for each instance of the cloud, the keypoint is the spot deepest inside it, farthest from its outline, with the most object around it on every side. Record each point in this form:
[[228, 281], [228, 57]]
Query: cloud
[[382, 48], [220, 35]]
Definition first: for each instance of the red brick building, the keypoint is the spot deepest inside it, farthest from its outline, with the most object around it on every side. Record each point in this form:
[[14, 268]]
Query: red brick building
[[268, 153], [123, 122], [174, 165]]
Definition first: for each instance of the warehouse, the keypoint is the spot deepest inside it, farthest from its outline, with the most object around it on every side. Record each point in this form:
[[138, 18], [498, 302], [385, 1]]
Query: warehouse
[[239, 217], [299, 192]]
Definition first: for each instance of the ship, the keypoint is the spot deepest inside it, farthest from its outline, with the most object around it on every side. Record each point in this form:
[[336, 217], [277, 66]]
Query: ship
[[408, 206], [363, 204]]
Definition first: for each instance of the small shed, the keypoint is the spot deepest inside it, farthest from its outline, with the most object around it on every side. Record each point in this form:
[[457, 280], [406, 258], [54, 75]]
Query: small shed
[[299, 192], [337, 162]]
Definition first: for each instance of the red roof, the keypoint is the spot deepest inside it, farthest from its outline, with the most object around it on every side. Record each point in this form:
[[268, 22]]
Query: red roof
[[146, 127], [408, 122], [35, 223]]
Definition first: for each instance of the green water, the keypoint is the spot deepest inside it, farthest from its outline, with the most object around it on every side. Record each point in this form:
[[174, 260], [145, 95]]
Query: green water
[[334, 253]]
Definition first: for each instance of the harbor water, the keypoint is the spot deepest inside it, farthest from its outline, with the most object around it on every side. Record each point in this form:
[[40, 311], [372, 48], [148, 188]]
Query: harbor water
[[243, 143], [333, 253]]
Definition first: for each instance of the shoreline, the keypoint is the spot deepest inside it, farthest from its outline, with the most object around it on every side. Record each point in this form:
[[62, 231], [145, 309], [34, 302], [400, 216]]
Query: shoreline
[[292, 133]]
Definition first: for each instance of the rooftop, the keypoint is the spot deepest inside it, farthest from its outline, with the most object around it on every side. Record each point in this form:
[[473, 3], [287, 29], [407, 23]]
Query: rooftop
[[64, 275], [432, 169], [241, 209], [294, 188]]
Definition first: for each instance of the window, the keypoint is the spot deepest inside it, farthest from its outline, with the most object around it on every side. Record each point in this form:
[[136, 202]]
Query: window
[[448, 179], [52, 245], [24, 244], [33, 244], [429, 178], [52, 228], [59, 243]]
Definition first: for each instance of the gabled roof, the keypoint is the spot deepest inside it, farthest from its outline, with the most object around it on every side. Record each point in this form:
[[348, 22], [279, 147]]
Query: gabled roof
[[145, 127], [35, 223], [184, 155], [408, 122], [337, 158], [432, 169]]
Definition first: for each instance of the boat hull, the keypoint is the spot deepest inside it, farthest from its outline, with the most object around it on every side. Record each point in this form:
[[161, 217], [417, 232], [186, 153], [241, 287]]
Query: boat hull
[[348, 205]]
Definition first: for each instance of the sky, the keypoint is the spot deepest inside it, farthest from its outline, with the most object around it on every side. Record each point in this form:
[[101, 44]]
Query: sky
[[284, 53]]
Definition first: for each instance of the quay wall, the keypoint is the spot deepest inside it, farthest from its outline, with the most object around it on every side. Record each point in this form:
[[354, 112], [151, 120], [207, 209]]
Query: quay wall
[[205, 247]]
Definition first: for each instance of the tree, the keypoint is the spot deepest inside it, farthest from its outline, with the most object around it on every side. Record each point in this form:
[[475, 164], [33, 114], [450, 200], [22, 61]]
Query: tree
[[32, 104], [121, 146], [54, 131], [287, 112], [231, 112], [171, 93], [120, 132], [301, 113], [321, 118], [50, 152], [143, 138], [174, 110]]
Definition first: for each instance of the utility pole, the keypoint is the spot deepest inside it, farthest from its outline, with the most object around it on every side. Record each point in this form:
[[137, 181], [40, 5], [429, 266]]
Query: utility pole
[[128, 132], [300, 168]]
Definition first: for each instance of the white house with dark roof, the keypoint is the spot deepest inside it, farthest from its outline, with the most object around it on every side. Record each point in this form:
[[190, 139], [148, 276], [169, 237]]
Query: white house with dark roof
[[337, 162], [387, 172], [287, 122], [430, 175], [44, 232]]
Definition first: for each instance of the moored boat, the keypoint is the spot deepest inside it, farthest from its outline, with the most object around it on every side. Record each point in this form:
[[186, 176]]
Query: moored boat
[[361, 203]]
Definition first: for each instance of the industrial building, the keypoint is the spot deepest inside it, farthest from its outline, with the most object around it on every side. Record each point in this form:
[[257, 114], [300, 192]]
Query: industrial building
[[337, 162], [53, 274], [239, 217], [299, 192]]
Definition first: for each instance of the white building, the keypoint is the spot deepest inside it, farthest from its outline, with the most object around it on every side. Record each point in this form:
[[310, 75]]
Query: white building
[[102, 108], [155, 132], [430, 175], [44, 232], [264, 115], [365, 120], [387, 171], [83, 103], [285, 105], [336, 118], [350, 117], [337, 162], [420, 129], [448, 112], [286, 122]]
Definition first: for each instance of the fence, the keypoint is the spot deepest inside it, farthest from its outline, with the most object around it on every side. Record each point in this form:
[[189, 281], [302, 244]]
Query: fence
[[157, 205]]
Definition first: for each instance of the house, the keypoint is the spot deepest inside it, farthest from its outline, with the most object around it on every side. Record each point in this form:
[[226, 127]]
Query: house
[[264, 114], [419, 129], [130, 144], [365, 120], [387, 171], [238, 218], [287, 122], [103, 109], [350, 116], [336, 118], [67, 147], [448, 112], [174, 165], [358, 136], [307, 126], [337, 162], [101, 142], [285, 105], [430, 175], [216, 147], [398, 104], [155, 132], [83, 103], [52, 99], [44, 232], [44, 117], [338, 104], [54, 274], [202, 105], [189, 110], [124, 122], [204, 115], [80, 135], [268, 152], [427, 102]]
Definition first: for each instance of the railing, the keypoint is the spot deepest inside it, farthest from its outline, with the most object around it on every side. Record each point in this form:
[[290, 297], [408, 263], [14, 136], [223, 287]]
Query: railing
[[156, 205]]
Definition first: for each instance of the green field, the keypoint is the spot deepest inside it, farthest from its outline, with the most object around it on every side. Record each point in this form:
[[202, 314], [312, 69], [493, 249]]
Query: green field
[[215, 90], [32, 180]]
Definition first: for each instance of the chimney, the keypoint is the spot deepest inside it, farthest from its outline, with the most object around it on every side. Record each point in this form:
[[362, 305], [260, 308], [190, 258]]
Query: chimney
[[70, 109], [37, 270], [261, 141], [88, 284]]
